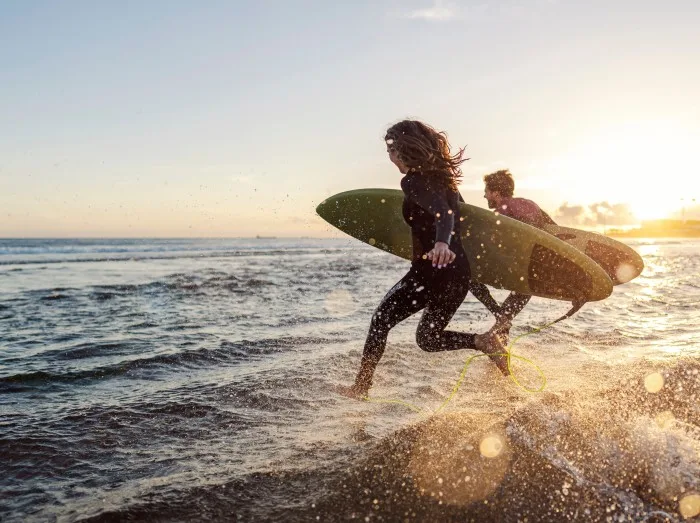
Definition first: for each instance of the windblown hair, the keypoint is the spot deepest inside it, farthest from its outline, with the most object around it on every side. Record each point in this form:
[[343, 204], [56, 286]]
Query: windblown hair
[[420, 147], [501, 181]]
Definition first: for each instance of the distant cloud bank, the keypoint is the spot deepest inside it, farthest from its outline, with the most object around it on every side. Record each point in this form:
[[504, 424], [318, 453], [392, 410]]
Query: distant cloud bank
[[599, 213]]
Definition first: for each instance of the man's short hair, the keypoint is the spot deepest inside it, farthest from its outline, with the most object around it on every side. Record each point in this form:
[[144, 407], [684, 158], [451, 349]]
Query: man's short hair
[[501, 181]]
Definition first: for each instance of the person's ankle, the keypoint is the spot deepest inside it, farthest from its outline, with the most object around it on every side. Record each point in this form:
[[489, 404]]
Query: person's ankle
[[361, 388], [481, 340]]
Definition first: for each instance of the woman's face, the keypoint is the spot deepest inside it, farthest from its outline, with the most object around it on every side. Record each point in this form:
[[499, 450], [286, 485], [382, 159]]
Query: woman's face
[[394, 156]]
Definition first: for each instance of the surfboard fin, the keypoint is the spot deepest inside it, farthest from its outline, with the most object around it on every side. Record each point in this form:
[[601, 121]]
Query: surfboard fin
[[575, 307]]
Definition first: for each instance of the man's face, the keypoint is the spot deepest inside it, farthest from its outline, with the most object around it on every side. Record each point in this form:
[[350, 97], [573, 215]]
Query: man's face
[[492, 198]]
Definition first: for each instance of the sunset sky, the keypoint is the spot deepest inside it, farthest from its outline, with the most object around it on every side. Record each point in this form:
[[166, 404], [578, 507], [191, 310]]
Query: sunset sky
[[236, 118]]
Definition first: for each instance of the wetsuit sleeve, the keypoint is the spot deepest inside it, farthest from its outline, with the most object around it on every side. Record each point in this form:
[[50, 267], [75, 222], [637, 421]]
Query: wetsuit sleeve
[[417, 188]]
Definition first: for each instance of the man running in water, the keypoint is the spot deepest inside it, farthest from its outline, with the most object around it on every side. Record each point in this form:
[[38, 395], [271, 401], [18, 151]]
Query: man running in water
[[498, 191]]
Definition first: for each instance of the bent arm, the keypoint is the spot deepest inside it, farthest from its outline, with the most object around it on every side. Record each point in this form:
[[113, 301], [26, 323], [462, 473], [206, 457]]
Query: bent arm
[[418, 189]]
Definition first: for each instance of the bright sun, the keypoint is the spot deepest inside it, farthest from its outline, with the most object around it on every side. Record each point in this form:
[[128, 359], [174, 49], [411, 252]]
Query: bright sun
[[650, 208], [645, 165]]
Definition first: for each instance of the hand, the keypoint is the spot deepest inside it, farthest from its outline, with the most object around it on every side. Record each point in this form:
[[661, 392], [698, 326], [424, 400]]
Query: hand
[[441, 255]]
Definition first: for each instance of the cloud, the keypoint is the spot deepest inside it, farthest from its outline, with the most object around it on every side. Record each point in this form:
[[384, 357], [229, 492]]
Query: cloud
[[441, 11], [437, 13], [599, 213]]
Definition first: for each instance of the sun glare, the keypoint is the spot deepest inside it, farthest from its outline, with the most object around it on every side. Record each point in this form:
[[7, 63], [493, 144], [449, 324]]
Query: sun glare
[[648, 207], [642, 164]]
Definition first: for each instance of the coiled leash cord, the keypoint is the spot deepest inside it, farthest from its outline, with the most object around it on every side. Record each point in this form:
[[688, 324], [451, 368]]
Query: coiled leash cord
[[509, 357]]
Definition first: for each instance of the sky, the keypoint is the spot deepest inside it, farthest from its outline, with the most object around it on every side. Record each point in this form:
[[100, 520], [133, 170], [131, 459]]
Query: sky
[[236, 118]]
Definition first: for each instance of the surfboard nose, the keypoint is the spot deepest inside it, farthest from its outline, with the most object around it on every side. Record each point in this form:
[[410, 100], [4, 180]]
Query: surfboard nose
[[621, 265]]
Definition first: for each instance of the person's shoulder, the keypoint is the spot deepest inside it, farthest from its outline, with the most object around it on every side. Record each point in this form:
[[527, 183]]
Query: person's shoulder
[[525, 203], [413, 180], [407, 181]]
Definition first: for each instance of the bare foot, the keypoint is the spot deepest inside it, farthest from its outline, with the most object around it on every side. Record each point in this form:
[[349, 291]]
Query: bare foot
[[490, 344], [351, 392]]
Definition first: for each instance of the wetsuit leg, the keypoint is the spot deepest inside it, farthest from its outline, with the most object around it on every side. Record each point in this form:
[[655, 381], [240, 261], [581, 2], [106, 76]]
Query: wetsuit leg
[[513, 304], [444, 301], [481, 293], [404, 299]]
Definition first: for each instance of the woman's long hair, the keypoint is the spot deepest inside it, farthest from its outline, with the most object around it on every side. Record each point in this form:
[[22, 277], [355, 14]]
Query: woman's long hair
[[421, 147]]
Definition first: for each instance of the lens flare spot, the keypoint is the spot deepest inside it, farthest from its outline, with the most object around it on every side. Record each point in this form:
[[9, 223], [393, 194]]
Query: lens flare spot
[[372, 241], [383, 200], [665, 419], [491, 446], [625, 272], [445, 464], [689, 506], [340, 302], [654, 382]]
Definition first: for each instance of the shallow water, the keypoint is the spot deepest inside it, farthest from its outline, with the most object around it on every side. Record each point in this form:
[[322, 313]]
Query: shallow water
[[192, 379]]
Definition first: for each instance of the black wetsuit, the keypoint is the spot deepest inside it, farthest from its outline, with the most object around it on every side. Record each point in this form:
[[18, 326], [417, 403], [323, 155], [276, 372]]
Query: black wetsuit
[[514, 302], [431, 209]]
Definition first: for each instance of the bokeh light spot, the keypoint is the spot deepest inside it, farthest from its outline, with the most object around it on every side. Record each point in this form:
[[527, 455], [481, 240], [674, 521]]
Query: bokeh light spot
[[625, 272], [340, 302], [654, 382], [689, 506], [491, 446]]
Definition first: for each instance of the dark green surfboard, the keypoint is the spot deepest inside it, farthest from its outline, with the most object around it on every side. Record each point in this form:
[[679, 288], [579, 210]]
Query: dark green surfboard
[[503, 253], [621, 262]]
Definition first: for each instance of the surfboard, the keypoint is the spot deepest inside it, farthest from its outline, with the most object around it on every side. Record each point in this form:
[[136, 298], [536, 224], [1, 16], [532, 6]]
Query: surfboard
[[621, 262], [503, 253]]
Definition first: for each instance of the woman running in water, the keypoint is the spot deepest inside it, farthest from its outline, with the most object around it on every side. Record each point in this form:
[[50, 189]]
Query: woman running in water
[[438, 280]]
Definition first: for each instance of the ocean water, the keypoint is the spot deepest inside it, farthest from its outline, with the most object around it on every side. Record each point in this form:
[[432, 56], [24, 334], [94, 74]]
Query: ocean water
[[181, 380]]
